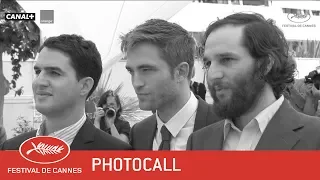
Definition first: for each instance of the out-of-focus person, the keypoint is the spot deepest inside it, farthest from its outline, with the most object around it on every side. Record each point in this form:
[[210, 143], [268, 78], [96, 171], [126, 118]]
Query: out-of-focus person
[[108, 116], [198, 88], [304, 94]]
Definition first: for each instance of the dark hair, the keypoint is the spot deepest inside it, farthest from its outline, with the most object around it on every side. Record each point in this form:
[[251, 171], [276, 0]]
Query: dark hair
[[175, 43], [265, 43], [103, 100], [84, 55]]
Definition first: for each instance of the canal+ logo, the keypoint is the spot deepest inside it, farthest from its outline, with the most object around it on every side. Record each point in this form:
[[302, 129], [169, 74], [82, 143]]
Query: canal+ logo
[[44, 150], [20, 16]]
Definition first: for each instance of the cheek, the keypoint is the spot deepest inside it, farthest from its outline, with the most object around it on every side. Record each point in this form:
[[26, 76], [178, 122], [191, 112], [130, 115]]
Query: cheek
[[33, 86], [66, 88], [160, 85], [240, 80]]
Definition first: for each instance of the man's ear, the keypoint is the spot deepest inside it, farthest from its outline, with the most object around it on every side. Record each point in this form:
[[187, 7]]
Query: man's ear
[[182, 71], [86, 85], [269, 65]]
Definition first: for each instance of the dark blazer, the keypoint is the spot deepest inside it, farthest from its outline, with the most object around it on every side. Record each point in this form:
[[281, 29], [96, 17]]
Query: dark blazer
[[88, 138], [122, 126], [287, 130], [142, 133], [199, 89]]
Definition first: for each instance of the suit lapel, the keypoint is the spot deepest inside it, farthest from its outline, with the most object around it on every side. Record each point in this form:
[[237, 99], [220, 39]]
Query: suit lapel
[[280, 132], [214, 141], [83, 137], [145, 141]]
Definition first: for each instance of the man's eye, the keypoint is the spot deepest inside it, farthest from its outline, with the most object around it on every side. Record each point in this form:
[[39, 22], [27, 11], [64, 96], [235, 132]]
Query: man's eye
[[55, 73], [146, 69], [206, 64], [129, 71], [227, 59]]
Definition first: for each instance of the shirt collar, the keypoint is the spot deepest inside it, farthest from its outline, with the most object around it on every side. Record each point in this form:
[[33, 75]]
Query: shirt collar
[[263, 118], [178, 121], [41, 130]]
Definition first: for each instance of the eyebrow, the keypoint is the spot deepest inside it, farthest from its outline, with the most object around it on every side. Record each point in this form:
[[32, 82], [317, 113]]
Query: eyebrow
[[226, 54], [50, 68], [141, 66]]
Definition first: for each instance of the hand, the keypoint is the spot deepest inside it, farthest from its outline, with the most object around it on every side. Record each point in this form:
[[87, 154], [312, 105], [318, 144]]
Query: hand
[[109, 121], [315, 92], [99, 113], [312, 92]]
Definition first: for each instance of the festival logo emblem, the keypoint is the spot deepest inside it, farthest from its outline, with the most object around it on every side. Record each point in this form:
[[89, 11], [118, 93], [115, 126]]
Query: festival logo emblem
[[44, 150], [298, 18]]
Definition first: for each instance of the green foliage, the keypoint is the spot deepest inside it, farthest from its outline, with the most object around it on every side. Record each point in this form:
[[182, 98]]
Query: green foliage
[[19, 39], [23, 126]]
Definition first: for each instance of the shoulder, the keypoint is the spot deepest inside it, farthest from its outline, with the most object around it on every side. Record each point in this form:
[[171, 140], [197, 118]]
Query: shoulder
[[145, 123], [109, 142], [311, 122], [15, 142], [204, 132], [121, 121]]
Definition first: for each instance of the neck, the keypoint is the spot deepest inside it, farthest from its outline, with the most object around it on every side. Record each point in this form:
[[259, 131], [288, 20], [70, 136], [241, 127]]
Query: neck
[[167, 111], [263, 101], [63, 119]]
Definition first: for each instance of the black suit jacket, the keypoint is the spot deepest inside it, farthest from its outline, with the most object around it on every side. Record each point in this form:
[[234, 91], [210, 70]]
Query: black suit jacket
[[142, 133], [287, 130], [88, 138], [199, 89]]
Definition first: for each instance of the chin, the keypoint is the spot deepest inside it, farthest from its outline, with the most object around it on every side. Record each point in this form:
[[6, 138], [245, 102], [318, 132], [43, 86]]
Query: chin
[[145, 106], [42, 109]]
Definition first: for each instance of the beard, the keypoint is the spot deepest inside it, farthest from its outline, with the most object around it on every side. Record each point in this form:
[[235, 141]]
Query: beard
[[244, 92]]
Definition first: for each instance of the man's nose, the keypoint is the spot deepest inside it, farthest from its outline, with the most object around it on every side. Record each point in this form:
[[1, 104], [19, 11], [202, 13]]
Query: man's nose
[[215, 72], [137, 82], [41, 80]]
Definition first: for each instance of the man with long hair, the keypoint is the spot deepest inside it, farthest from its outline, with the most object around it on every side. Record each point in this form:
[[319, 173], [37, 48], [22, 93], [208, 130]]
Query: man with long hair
[[248, 68]]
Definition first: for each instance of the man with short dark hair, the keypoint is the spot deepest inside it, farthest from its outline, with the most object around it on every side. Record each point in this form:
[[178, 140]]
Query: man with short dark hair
[[160, 58], [67, 71], [248, 68]]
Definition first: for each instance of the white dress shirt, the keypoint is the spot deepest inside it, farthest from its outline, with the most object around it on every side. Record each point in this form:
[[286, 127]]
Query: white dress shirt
[[67, 134], [248, 138], [180, 125]]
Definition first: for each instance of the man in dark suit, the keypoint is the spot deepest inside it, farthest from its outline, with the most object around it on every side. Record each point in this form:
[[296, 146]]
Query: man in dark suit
[[160, 58], [248, 68], [67, 71]]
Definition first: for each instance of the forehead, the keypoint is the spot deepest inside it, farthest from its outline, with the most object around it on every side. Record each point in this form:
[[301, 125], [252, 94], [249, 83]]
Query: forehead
[[53, 58], [145, 54], [111, 99], [226, 39]]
